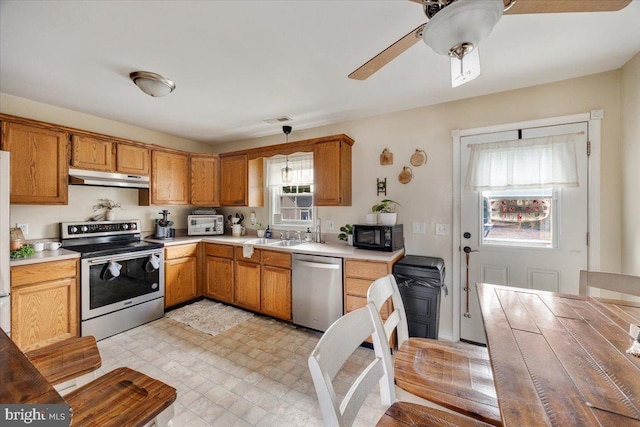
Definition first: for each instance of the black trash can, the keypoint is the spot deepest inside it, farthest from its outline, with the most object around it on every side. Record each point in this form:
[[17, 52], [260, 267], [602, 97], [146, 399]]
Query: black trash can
[[420, 281]]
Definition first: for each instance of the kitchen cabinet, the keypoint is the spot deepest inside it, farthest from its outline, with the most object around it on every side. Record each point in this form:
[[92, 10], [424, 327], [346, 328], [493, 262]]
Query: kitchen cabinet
[[247, 280], [332, 172], [92, 153], [44, 303], [358, 277], [180, 274], [169, 179], [205, 181], [39, 163], [275, 291], [133, 159], [241, 181], [218, 272]]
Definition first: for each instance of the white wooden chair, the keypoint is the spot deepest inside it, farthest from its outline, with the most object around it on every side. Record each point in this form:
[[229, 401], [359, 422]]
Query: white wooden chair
[[335, 347], [454, 375], [621, 283]]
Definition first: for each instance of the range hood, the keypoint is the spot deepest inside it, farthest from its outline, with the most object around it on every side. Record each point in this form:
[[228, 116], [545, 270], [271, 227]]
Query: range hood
[[107, 179]]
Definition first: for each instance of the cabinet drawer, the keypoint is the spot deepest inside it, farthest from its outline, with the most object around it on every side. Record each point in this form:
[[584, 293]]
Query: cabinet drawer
[[365, 269], [222, 251], [357, 287], [240, 257], [277, 259], [180, 251], [42, 272], [352, 303]]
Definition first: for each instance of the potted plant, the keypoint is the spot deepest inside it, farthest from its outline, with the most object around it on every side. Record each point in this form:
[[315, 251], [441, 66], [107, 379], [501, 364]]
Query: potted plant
[[346, 234], [260, 230], [108, 205], [387, 211]]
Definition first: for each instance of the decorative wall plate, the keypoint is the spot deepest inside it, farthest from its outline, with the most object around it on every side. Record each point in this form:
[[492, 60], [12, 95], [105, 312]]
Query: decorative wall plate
[[419, 158]]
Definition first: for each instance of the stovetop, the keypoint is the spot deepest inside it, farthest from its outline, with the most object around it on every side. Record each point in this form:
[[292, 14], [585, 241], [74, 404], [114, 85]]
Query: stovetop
[[114, 248]]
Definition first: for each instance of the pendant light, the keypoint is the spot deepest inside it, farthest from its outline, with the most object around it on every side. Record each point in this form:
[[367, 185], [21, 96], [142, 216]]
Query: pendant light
[[287, 171]]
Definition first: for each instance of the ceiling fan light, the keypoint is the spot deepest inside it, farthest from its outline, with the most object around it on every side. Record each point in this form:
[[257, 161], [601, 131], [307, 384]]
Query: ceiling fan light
[[152, 84], [464, 21]]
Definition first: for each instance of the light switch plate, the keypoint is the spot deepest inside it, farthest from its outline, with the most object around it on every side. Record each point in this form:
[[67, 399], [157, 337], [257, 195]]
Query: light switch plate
[[419, 228], [443, 229], [24, 228], [328, 225]]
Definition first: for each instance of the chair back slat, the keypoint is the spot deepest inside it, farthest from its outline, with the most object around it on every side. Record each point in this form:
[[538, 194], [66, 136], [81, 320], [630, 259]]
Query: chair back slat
[[335, 347], [382, 289], [622, 283]]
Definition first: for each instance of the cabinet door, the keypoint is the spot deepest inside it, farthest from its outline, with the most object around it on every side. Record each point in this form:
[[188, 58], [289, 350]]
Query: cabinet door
[[219, 279], [234, 181], [205, 184], [44, 313], [332, 174], [39, 164], [169, 178], [92, 153], [181, 280], [276, 292], [247, 285], [132, 159]]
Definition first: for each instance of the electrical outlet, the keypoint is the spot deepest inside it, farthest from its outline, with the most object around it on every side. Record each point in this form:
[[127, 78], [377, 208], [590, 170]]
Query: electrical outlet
[[328, 225], [419, 228], [443, 229], [24, 228]]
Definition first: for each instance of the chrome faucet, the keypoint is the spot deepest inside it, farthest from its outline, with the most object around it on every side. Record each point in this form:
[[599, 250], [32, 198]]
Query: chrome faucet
[[318, 231], [299, 236]]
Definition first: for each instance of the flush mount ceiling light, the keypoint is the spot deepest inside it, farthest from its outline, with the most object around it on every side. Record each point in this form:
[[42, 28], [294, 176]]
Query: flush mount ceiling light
[[152, 84]]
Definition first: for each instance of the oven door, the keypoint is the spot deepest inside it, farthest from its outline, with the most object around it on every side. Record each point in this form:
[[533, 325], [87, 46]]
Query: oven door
[[120, 281]]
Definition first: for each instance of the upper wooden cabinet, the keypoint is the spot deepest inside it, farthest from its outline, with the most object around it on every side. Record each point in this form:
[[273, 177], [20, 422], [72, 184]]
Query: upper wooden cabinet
[[169, 178], [132, 159], [205, 181], [332, 172], [92, 153], [39, 164], [241, 181]]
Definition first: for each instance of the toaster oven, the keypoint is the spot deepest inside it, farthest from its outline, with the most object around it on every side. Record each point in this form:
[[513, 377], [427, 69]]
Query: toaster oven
[[203, 225]]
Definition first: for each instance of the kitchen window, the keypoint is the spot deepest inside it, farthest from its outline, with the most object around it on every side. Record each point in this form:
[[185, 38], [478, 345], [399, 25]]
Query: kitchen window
[[290, 184]]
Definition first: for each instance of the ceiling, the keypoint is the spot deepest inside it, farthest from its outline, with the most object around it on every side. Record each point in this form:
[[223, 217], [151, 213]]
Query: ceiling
[[238, 63]]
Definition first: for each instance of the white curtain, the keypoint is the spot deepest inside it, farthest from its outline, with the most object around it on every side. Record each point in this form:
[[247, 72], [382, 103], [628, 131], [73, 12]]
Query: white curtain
[[525, 163], [301, 165]]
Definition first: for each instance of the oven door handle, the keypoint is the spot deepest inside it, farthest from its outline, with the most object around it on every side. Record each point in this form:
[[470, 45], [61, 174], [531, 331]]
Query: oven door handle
[[125, 257]]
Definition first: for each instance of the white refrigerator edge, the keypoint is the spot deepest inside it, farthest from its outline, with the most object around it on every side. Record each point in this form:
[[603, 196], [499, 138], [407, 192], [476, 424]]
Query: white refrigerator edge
[[5, 284]]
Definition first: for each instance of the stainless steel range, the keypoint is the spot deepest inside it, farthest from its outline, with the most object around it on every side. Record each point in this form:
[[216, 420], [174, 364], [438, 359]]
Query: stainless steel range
[[121, 276]]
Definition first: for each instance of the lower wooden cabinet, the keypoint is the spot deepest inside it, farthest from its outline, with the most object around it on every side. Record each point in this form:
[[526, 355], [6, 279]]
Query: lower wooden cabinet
[[218, 272], [180, 274], [275, 290], [247, 285], [44, 303]]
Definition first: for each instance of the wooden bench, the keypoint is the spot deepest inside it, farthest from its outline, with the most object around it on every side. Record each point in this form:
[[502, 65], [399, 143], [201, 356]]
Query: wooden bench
[[68, 364], [122, 397]]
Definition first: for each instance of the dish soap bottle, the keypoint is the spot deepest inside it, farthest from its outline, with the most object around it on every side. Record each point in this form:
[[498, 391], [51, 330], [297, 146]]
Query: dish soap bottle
[[267, 233], [307, 236]]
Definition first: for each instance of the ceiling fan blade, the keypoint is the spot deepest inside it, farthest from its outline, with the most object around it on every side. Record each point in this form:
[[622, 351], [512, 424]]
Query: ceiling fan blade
[[560, 6], [387, 55]]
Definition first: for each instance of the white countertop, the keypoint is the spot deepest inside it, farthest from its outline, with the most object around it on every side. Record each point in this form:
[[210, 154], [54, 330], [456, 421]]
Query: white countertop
[[45, 256], [340, 249]]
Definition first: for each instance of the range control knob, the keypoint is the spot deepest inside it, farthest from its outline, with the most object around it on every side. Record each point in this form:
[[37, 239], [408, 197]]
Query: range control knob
[[73, 229], [133, 226], [84, 228], [125, 226]]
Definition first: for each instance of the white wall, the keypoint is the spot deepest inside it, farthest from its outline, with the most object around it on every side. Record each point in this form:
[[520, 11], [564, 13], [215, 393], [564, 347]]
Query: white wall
[[428, 197], [44, 220], [630, 166]]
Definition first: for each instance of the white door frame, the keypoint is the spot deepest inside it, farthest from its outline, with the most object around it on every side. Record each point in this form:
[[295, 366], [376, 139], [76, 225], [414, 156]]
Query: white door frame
[[594, 118]]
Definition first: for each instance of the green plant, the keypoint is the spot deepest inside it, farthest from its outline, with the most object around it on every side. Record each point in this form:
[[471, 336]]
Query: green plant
[[24, 251], [346, 230], [385, 206], [259, 226]]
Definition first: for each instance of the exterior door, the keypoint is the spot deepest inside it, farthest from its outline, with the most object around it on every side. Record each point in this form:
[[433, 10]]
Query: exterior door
[[534, 238]]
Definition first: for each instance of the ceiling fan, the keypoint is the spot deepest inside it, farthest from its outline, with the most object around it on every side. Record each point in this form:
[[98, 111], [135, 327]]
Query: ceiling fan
[[456, 27]]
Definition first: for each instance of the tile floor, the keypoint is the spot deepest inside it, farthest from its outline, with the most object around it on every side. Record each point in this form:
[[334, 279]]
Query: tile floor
[[254, 374]]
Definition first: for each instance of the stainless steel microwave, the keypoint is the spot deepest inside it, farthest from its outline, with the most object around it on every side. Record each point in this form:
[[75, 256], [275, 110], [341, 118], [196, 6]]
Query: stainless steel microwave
[[378, 237], [203, 225]]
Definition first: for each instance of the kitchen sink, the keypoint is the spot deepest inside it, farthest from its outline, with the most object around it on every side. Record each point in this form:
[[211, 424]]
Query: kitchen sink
[[262, 241], [287, 243]]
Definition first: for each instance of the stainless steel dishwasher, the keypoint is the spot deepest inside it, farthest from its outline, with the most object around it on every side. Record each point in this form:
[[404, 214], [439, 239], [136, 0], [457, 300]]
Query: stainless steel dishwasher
[[317, 290]]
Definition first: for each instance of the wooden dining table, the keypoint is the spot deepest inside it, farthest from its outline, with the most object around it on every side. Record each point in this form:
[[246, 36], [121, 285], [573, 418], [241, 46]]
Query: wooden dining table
[[561, 360]]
